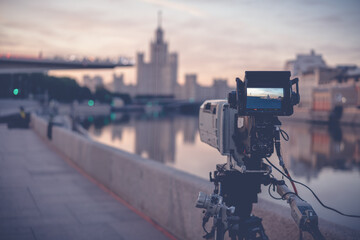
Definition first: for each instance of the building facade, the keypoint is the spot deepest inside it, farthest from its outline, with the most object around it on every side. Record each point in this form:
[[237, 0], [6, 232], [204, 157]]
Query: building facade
[[343, 90], [93, 82], [312, 71], [312, 79], [193, 91], [118, 85], [304, 63], [158, 77]]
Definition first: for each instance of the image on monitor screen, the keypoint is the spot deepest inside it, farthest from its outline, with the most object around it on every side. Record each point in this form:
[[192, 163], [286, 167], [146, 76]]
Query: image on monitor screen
[[264, 98]]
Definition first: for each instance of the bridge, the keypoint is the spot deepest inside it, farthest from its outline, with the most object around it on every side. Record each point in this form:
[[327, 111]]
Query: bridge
[[10, 64]]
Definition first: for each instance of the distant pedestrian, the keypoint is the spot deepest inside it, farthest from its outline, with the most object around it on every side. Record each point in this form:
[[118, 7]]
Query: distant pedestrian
[[22, 112], [19, 121]]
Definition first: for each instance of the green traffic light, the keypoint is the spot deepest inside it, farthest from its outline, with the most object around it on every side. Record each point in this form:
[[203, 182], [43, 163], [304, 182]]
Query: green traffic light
[[16, 91], [91, 103]]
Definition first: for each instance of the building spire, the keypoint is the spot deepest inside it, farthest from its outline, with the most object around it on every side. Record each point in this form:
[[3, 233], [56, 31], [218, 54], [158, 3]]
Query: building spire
[[159, 32], [159, 19]]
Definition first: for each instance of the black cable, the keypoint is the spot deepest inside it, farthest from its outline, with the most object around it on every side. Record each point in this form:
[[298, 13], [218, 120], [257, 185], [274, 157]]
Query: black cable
[[284, 175], [317, 198], [292, 183], [284, 135], [276, 198], [205, 230], [223, 166], [203, 226], [283, 196]]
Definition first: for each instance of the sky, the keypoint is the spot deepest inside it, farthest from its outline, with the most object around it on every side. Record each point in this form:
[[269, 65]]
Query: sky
[[214, 39]]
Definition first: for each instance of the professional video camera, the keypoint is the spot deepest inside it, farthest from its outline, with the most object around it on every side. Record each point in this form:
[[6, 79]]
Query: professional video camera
[[245, 127]]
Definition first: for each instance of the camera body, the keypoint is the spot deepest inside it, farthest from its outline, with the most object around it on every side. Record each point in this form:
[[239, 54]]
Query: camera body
[[244, 124], [216, 125]]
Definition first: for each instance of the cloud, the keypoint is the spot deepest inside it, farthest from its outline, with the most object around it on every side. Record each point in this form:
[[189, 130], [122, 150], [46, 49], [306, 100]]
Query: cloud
[[330, 19], [4, 41], [69, 30], [177, 6], [212, 37]]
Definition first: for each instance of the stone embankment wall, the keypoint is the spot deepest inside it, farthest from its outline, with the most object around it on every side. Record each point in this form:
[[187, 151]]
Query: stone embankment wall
[[164, 194]]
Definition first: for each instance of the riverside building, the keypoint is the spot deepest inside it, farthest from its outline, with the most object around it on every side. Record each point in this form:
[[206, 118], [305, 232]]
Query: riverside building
[[158, 77]]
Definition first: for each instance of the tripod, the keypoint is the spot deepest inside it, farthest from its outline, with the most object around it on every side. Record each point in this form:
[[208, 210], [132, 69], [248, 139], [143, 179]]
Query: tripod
[[238, 182], [239, 190]]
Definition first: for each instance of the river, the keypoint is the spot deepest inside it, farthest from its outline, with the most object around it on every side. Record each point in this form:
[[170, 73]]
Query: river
[[327, 160]]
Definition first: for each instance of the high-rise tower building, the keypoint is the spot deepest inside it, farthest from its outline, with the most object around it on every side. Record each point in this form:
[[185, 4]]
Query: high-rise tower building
[[159, 75]]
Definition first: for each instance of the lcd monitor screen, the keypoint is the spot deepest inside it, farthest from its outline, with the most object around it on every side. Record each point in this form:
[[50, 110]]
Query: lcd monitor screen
[[264, 98]]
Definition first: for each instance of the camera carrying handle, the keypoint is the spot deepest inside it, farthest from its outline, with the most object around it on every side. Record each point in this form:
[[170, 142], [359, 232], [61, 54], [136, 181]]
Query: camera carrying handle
[[295, 96]]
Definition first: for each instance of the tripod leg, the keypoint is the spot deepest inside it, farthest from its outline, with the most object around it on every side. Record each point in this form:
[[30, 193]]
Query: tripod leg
[[220, 232], [254, 229]]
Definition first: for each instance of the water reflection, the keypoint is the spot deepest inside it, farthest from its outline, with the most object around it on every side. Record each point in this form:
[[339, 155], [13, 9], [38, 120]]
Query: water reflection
[[156, 139], [328, 160], [310, 149], [155, 136], [314, 147]]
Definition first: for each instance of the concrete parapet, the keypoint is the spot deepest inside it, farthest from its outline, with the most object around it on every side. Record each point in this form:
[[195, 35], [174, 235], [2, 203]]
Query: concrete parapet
[[39, 125], [164, 194], [11, 106]]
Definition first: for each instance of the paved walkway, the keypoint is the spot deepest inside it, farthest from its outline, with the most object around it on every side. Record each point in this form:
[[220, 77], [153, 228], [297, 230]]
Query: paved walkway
[[43, 197]]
